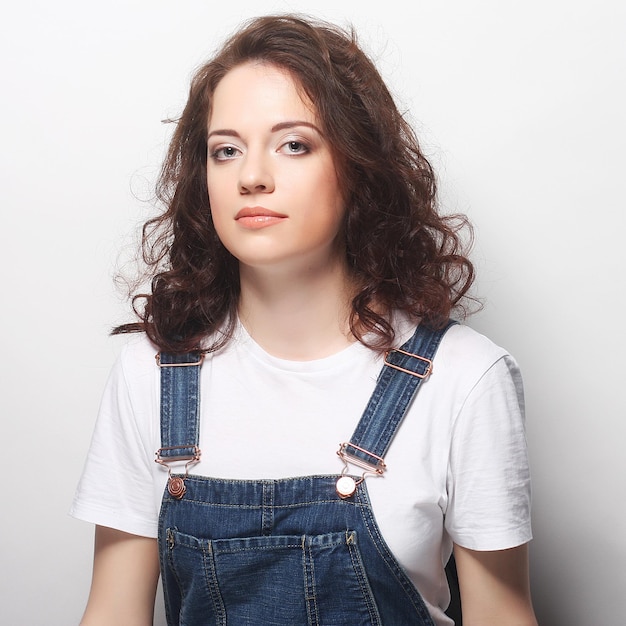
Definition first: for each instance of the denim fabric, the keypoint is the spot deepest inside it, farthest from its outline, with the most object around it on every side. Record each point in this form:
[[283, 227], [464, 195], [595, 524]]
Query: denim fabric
[[283, 552], [286, 552], [180, 395]]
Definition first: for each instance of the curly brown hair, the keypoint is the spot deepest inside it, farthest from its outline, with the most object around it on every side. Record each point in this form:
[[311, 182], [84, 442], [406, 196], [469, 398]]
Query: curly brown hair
[[401, 252]]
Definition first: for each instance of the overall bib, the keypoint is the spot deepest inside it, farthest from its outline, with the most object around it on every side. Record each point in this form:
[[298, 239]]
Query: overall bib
[[288, 552]]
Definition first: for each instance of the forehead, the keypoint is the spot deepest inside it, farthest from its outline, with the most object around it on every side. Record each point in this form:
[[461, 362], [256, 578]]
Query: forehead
[[262, 92]]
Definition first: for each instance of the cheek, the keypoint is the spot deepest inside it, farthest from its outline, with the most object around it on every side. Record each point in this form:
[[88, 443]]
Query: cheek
[[218, 200], [217, 211], [212, 189], [318, 191], [219, 223], [330, 195]]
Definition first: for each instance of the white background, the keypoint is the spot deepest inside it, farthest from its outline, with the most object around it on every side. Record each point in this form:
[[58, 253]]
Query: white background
[[520, 106]]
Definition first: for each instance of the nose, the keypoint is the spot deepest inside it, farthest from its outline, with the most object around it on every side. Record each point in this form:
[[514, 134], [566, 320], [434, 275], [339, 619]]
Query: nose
[[255, 175]]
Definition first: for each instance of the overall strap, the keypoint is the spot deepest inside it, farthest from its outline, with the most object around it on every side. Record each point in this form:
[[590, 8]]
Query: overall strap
[[180, 400], [404, 370]]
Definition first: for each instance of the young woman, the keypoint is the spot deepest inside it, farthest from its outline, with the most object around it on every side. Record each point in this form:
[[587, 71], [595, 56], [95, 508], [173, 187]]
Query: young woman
[[324, 436]]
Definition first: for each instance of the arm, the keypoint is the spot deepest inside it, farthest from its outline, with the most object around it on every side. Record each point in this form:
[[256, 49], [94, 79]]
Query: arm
[[125, 576], [495, 589]]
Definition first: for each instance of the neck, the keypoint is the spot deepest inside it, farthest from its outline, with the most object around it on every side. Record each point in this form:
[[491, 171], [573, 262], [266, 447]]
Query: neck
[[297, 317]]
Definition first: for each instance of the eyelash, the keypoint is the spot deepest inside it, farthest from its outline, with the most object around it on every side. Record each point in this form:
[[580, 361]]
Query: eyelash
[[301, 148], [216, 156], [305, 148]]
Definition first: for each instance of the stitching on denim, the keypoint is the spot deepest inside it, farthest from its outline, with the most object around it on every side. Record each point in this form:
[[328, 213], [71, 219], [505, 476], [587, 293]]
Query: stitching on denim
[[256, 548], [267, 509], [361, 576], [173, 570], [392, 565], [213, 587], [309, 583], [252, 507]]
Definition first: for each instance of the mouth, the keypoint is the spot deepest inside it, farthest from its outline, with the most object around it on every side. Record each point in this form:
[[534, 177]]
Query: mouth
[[257, 211], [257, 217]]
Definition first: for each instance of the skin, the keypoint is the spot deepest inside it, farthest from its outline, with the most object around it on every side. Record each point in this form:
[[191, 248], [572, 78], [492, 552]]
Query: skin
[[495, 587], [295, 291], [266, 149], [124, 580]]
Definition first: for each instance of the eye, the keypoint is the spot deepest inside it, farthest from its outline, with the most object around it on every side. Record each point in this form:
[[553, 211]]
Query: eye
[[295, 147], [224, 153]]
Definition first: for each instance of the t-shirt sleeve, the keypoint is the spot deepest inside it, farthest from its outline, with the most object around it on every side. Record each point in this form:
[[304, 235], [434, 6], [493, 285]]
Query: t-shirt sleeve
[[488, 473], [116, 488]]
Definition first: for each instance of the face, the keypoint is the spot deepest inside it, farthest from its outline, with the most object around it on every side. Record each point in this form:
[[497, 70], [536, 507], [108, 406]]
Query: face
[[273, 188]]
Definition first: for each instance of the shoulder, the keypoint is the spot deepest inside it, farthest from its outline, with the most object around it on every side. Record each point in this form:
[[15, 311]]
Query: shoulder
[[473, 362], [469, 363], [137, 356], [135, 371], [462, 346], [463, 351]]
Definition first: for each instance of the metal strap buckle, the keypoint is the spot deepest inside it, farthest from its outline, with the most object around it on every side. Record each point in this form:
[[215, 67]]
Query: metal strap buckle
[[191, 458], [370, 468], [429, 363], [176, 484], [346, 485], [198, 362]]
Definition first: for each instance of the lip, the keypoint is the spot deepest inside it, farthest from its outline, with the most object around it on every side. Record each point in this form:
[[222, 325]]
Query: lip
[[257, 211], [258, 217]]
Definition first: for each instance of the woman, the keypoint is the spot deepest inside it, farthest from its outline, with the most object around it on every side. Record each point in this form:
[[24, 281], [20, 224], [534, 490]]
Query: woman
[[300, 250]]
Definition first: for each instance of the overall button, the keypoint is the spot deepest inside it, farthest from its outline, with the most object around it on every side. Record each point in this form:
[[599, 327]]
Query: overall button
[[176, 486], [346, 486]]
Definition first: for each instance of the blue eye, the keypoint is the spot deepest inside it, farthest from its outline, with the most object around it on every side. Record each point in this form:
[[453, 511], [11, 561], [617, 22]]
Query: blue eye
[[224, 153], [296, 147]]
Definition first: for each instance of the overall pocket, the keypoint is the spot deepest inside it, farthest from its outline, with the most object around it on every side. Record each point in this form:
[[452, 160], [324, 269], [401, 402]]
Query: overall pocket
[[275, 580]]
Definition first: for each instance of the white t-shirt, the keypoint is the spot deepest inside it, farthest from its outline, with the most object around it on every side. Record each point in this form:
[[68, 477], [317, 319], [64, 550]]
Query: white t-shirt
[[457, 469]]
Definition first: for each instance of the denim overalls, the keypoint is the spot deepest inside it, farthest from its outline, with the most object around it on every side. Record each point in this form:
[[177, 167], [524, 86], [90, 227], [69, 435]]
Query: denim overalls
[[289, 552]]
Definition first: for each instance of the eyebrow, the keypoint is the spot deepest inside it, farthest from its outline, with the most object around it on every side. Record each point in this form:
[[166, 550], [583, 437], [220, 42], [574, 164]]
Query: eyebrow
[[228, 132]]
